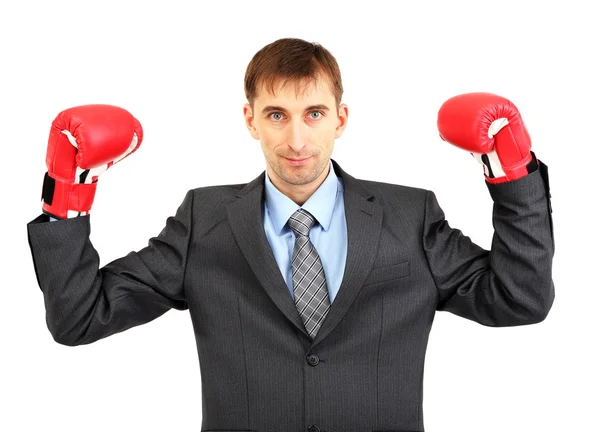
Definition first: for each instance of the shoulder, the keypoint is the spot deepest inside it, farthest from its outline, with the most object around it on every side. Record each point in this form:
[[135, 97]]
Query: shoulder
[[402, 203], [386, 191], [217, 193], [212, 201], [207, 205]]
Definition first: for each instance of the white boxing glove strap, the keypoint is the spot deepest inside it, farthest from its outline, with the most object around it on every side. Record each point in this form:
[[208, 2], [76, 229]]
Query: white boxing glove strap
[[490, 161]]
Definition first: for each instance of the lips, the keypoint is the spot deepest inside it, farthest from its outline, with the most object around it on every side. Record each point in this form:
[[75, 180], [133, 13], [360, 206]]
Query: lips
[[297, 162]]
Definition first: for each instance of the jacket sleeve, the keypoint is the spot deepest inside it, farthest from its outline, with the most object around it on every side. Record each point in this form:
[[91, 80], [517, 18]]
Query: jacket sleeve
[[511, 284], [85, 303]]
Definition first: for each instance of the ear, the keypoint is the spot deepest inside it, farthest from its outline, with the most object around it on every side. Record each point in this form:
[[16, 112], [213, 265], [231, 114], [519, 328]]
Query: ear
[[250, 121], [342, 120]]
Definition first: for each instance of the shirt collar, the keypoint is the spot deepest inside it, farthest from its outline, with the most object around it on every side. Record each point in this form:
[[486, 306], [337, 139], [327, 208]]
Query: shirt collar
[[320, 204]]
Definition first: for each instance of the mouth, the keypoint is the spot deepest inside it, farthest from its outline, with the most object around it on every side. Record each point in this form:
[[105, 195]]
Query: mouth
[[296, 162]]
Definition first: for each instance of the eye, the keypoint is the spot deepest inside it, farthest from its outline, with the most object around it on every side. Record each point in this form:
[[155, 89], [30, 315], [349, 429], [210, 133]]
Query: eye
[[280, 114]]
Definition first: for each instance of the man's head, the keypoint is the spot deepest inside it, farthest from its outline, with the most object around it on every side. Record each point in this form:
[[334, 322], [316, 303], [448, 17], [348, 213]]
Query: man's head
[[294, 90]]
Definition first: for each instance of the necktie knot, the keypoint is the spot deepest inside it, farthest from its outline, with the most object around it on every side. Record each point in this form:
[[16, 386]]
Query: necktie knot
[[301, 222]]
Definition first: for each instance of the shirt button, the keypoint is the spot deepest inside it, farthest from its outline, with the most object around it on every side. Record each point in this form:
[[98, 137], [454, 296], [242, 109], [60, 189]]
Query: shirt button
[[312, 360], [314, 428]]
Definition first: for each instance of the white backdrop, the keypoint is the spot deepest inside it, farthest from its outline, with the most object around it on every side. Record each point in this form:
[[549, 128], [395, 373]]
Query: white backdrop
[[179, 67]]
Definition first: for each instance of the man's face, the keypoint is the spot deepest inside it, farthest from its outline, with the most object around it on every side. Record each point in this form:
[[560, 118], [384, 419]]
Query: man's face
[[296, 126]]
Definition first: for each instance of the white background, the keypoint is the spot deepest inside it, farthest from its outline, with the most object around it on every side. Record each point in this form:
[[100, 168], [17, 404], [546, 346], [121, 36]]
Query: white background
[[179, 68]]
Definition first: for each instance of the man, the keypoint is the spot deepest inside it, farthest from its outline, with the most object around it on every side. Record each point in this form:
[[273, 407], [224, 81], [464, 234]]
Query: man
[[311, 293]]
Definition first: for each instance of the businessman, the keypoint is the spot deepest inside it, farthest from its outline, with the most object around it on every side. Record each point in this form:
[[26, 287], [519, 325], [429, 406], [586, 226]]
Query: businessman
[[311, 292]]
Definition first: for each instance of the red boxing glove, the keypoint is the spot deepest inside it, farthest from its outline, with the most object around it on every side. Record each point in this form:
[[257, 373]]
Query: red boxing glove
[[84, 142], [491, 129]]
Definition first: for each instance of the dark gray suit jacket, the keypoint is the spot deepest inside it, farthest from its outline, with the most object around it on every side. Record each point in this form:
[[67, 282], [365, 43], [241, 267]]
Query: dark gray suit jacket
[[260, 370]]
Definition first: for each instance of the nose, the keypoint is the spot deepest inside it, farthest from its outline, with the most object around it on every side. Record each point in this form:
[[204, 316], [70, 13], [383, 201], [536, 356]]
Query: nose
[[297, 138]]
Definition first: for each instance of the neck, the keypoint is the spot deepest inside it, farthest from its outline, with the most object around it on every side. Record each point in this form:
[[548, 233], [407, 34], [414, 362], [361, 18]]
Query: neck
[[298, 193]]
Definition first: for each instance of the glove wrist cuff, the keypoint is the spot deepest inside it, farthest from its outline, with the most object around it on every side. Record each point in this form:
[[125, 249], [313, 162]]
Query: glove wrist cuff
[[65, 199], [517, 172]]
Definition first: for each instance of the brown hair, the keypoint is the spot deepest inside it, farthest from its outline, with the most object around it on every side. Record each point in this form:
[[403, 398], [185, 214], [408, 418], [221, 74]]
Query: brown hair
[[292, 59]]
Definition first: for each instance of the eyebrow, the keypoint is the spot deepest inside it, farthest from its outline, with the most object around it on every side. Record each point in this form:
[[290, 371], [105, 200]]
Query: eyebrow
[[270, 108]]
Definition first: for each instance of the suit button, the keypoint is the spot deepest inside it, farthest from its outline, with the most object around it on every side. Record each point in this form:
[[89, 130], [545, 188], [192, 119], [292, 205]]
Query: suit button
[[314, 428], [313, 360]]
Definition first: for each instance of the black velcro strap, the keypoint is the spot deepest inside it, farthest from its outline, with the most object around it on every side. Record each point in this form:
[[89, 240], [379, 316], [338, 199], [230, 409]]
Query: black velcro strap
[[486, 160], [48, 189], [533, 164]]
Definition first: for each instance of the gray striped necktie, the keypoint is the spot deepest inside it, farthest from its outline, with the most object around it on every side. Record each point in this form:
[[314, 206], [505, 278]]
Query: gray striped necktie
[[310, 287]]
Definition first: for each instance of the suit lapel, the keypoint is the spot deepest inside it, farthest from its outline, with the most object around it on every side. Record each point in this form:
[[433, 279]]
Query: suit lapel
[[245, 218], [363, 220]]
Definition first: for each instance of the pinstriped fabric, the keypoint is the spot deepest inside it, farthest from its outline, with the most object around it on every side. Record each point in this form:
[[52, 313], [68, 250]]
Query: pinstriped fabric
[[310, 287]]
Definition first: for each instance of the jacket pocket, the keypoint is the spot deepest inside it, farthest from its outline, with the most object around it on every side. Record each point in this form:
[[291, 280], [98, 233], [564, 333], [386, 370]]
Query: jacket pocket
[[382, 274]]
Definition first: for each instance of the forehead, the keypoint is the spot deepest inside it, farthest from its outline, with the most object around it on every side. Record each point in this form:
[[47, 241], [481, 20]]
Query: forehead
[[292, 91]]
